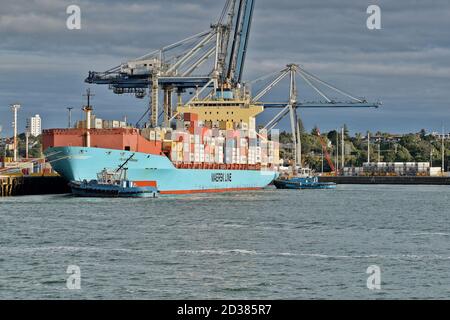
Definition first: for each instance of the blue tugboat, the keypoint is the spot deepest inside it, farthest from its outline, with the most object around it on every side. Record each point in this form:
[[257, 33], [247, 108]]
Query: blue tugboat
[[304, 181], [113, 184]]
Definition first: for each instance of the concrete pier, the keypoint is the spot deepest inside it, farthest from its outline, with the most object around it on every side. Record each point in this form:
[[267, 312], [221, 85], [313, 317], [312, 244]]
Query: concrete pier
[[32, 185]]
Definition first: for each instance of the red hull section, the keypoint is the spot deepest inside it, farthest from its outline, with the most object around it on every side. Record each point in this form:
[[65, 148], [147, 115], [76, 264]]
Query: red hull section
[[117, 139], [145, 184]]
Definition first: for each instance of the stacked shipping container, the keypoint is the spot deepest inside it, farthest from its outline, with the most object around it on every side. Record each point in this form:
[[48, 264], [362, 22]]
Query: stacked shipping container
[[394, 168], [200, 144]]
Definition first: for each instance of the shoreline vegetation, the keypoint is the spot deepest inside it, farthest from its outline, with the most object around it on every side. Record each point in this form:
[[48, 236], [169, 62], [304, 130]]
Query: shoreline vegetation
[[384, 147]]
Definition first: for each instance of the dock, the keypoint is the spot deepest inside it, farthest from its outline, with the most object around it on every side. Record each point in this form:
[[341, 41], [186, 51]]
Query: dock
[[9, 185], [395, 180], [18, 185]]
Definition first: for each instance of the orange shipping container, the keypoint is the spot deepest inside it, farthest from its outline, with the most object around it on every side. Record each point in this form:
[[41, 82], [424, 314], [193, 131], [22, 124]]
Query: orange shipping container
[[190, 117]]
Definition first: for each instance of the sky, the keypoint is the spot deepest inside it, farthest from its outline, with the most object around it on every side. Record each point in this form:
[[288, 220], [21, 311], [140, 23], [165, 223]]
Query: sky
[[406, 64]]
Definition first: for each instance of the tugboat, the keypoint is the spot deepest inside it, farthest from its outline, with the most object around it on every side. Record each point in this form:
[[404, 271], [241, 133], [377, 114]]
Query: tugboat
[[113, 184], [305, 180]]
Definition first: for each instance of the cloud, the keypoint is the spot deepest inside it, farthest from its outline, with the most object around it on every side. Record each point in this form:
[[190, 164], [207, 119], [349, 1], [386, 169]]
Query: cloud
[[405, 64]]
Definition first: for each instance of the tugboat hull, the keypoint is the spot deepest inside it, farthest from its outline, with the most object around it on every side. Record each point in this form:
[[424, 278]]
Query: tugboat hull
[[303, 183], [90, 189]]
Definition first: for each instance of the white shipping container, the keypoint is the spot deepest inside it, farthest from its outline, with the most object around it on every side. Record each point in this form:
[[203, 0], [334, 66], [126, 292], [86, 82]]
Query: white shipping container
[[98, 124], [252, 123], [434, 171]]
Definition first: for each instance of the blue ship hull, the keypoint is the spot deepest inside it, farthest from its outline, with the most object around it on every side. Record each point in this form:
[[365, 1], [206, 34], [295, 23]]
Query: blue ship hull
[[81, 163]]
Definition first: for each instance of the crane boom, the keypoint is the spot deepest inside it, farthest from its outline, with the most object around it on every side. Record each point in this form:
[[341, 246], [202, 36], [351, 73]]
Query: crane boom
[[245, 35], [243, 22]]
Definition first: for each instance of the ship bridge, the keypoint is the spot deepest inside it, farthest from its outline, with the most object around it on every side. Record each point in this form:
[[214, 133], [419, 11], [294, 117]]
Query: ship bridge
[[234, 111]]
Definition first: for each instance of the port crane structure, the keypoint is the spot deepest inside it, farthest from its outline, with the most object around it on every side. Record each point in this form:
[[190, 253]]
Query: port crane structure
[[180, 67]]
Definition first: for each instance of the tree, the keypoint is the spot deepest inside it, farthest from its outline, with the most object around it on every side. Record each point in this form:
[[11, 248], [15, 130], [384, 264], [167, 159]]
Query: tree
[[390, 156], [422, 133], [332, 136], [346, 132], [403, 155], [285, 137], [301, 127]]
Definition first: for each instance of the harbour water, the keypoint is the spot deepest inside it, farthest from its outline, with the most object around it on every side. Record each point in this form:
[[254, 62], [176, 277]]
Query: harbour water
[[265, 244]]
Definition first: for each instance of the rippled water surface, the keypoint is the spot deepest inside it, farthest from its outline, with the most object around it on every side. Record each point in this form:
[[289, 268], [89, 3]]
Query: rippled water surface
[[267, 244]]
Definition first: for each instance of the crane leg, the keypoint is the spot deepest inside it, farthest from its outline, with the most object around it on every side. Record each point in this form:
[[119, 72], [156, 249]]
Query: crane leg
[[167, 106], [155, 98]]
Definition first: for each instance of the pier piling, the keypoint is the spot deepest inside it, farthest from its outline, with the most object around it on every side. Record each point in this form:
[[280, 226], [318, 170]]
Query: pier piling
[[9, 185]]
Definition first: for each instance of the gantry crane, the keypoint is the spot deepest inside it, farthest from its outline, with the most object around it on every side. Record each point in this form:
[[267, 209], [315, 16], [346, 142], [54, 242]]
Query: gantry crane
[[176, 68], [290, 107], [173, 67]]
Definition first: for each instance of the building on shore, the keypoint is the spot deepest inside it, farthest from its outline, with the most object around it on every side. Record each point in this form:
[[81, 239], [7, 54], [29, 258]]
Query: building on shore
[[34, 125]]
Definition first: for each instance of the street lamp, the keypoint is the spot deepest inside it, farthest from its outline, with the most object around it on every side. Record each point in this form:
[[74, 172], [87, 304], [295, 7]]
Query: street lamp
[[27, 137], [431, 158], [14, 108]]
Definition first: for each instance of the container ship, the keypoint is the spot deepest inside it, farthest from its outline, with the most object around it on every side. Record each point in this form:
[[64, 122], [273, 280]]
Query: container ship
[[213, 147]]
